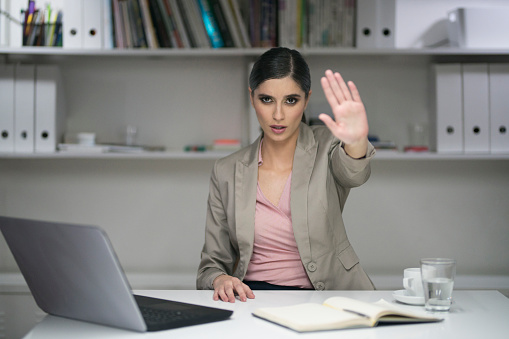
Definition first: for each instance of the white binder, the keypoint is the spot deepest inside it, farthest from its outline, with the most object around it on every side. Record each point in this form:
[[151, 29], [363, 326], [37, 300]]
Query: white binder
[[386, 24], [49, 108], [366, 24], [6, 108], [499, 107], [376, 24], [476, 109], [72, 24], [448, 115], [92, 19], [24, 86]]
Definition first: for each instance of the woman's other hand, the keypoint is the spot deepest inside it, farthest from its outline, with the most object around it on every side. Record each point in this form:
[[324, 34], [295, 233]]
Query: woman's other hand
[[226, 287], [350, 123]]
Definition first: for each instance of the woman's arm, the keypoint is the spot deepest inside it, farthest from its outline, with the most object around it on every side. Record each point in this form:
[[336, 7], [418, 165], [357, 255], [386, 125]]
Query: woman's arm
[[350, 124], [218, 256]]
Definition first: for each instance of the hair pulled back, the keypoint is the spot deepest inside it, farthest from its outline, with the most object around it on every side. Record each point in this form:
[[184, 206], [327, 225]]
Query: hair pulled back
[[279, 63]]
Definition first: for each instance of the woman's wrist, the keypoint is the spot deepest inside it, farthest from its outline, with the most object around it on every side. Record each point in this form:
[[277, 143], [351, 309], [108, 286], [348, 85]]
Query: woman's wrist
[[358, 149]]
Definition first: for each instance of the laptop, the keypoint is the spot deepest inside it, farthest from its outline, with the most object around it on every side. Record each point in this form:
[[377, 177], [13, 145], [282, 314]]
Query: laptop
[[73, 272]]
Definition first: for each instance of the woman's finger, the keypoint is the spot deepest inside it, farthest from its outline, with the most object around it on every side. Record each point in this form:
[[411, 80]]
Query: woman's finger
[[335, 85], [345, 91], [355, 92], [329, 95]]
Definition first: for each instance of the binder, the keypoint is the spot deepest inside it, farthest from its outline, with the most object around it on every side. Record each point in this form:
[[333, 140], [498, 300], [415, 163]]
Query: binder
[[92, 21], [476, 109], [448, 114], [49, 108], [499, 107], [72, 24], [386, 23], [366, 26], [24, 89], [376, 23], [6, 108]]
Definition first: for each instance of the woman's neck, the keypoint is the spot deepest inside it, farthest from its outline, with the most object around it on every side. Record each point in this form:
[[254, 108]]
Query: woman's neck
[[278, 155]]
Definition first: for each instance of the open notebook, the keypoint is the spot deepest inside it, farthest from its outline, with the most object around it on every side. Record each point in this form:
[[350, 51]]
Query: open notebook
[[73, 272]]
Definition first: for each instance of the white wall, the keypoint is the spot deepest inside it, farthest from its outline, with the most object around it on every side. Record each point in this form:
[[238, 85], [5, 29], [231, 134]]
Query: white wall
[[154, 210]]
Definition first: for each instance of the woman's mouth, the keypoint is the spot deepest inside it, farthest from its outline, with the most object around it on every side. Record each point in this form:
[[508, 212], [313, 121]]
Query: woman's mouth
[[277, 129]]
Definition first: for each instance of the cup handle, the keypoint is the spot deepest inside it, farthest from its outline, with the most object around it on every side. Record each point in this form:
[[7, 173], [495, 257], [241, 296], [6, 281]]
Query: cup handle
[[407, 283]]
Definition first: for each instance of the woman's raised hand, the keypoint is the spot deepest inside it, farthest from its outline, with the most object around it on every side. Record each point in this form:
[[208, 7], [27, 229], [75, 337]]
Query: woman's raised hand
[[350, 123]]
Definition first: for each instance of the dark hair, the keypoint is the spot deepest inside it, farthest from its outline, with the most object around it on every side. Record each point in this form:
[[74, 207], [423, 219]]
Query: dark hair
[[278, 63]]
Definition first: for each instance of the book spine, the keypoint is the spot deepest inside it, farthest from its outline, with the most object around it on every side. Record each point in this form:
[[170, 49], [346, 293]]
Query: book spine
[[148, 25], [231, 23], [241, 23], [138, 19], [210, 23], [179, 23], [160, 29], [219, 16]]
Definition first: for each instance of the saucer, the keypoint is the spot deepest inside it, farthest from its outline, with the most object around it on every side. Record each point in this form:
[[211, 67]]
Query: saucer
[[403, 297]]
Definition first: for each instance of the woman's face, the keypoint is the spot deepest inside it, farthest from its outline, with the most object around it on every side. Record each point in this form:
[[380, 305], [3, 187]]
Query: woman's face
[[279, 105]]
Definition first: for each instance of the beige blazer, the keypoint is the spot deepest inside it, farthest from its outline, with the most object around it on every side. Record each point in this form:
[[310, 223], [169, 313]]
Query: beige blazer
[[321, 180]]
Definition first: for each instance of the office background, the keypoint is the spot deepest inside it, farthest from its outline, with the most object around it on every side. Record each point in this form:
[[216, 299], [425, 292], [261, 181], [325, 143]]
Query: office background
[[154, 208]]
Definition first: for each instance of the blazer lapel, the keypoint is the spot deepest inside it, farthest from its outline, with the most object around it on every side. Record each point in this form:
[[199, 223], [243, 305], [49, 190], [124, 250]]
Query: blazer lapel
[[246, 180], [304, 159]]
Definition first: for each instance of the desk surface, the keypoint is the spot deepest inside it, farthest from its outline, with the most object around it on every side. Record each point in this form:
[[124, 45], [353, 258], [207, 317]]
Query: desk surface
[[474, 314]]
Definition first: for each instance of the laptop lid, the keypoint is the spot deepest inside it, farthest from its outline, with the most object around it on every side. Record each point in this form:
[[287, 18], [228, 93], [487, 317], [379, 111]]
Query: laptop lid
[[73, 272]]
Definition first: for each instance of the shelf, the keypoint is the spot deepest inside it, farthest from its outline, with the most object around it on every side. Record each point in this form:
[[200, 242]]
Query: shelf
[[387, 155], [381, 155], [209, 155], [206, 52]]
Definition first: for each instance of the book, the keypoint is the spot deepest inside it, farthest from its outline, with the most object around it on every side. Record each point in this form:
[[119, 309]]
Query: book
[[211, 25], [195, 25], [341, 313], [219, 16]]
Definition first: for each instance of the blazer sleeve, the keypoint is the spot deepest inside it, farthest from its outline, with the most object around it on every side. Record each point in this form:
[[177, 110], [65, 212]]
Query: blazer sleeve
[[347, 171], [217, 256]]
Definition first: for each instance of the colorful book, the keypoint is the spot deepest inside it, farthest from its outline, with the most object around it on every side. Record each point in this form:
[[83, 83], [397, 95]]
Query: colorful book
[[211, 26]]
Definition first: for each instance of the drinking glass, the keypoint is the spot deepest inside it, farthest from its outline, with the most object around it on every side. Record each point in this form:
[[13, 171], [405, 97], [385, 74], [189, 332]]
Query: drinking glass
[[438, 281]]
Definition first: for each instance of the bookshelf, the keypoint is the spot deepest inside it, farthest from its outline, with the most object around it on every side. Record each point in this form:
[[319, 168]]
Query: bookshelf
[[233, 61], [145, 46]]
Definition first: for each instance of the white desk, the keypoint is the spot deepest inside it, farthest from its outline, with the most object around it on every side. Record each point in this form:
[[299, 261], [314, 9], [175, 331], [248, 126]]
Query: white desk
[[474, 314]]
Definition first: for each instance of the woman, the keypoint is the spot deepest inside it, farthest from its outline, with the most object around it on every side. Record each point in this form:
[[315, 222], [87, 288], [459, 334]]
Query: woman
[[274, 209]]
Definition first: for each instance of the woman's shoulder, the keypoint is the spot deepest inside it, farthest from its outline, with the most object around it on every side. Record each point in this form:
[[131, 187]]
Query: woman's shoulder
[[321, 134], [245, 155]]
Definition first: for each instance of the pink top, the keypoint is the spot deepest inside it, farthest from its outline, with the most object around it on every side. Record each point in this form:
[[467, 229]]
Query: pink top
[[275, 257]]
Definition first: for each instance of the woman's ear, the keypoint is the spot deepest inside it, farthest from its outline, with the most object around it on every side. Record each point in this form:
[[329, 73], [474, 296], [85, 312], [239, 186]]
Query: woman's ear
[[307, 99], [251, 96]]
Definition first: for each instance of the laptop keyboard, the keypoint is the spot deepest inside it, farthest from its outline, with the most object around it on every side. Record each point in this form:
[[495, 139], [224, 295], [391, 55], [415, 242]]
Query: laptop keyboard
[[156, 316], [161, 314]]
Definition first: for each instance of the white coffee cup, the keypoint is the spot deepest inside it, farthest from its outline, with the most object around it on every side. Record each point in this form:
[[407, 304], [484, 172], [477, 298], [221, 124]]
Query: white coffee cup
[[412, 282]]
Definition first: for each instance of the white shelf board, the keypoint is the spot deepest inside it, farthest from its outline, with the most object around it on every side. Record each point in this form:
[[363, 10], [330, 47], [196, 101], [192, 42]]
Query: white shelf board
[[205, 52], [209, 155], [389, 155], [117, 155]]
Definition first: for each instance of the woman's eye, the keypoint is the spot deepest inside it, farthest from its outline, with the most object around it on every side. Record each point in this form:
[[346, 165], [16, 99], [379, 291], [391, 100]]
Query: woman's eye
[[266, 100], [291, 101]]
